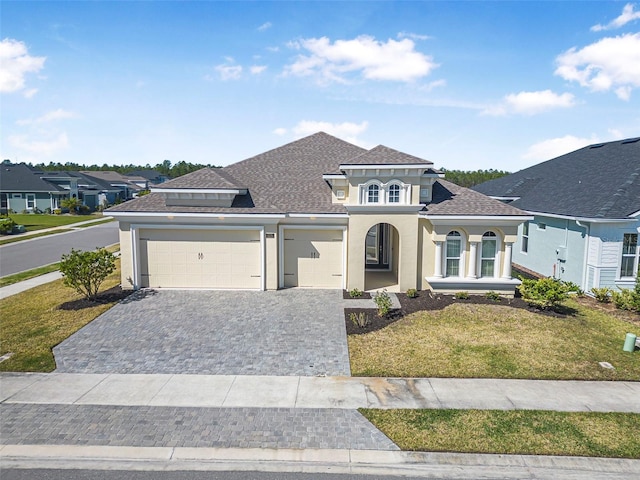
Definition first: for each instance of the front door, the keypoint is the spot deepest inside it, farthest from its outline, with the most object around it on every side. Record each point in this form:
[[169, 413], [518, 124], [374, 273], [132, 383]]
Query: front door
[[377, 246]]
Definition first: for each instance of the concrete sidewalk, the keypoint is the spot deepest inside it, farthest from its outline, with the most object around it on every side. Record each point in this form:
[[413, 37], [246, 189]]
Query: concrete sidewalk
[[25, 285], [237, 391]]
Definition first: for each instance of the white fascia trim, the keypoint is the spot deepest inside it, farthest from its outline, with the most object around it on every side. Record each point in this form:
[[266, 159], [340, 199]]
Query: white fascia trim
[[235, 191], [385, 166], [581, 219], [196, 215], [636, 214], [503, 198], [448, 218], [334, 176], [318, 215], [384, 208]]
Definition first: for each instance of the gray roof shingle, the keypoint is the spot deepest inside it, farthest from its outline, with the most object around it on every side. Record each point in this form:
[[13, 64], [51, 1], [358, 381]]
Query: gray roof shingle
[[598, 181], [288, 179], [22, 178], [381, 155]]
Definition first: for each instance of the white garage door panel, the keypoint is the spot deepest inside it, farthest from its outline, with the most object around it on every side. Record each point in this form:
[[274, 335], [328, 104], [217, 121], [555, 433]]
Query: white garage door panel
[[313, 258], [200, 258]]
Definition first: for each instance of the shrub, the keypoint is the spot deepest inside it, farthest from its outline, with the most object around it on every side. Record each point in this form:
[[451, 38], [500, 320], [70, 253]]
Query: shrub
[[544, 293], [57, 211], [84, 210], [461, 295], [494, 296], [47, 211], [355, 293], [6, 225], [626, 300], [85, 271], [412, 293], [602, 295], [71, 203], [360, 319], [574, 288], [383, 302]]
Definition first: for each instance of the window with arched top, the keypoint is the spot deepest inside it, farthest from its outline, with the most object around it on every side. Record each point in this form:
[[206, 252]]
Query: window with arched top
[[453, 254], [488, 254], [373, 193], [394, 193]]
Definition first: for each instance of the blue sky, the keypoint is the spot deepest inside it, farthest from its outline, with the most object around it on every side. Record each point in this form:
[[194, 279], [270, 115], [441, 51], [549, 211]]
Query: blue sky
[[467, 85]]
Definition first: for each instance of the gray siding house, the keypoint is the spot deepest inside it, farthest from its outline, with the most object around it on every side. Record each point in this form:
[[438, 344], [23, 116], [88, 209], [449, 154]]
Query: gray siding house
[[586, 208]]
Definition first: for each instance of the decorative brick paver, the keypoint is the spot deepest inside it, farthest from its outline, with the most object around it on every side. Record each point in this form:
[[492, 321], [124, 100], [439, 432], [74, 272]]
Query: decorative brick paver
[[285, 332], [33, 424]]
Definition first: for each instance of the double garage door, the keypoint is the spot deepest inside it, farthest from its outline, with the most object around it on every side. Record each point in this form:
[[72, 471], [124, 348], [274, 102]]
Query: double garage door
[[200, 259]]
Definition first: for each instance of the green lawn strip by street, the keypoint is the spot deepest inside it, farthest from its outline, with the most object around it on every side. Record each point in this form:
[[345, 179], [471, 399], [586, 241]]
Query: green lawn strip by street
[[525, 432], [32, 323], [487, 341], [14, 239], [36, 272], [34, 221], [93, 224]]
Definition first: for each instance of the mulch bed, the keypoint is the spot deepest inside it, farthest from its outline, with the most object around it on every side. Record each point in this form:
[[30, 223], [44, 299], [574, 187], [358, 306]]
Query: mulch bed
[[430, 302], [115, 294]]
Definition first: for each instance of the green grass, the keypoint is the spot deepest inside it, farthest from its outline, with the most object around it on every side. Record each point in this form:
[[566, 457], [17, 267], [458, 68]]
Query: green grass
[[492, 341], [32, 323], [12, 239], [525, 432], [36, 272], [34, 221]]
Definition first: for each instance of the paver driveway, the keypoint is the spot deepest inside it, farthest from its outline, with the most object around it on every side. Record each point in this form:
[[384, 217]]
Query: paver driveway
[[285, 332]]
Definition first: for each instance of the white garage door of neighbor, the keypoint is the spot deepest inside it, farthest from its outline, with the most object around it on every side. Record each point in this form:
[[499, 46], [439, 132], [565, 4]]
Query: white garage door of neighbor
[[200, 259], [313, 258]]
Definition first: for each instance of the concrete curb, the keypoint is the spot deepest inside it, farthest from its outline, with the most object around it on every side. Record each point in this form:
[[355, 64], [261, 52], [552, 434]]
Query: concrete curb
[[436, 465]]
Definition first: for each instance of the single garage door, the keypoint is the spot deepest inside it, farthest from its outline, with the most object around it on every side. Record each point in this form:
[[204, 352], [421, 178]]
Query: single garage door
[[200, 258], [313, 258]]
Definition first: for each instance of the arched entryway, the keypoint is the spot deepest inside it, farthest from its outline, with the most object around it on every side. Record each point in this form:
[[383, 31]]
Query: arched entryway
[[381, 257]]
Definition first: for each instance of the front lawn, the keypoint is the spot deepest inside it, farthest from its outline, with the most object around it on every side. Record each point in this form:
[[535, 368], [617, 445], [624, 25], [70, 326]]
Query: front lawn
[[35, 221], [524, 432], [492, 341], [33, 322]]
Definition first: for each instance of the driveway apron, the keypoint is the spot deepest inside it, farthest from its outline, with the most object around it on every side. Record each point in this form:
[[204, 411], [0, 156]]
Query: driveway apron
[[285, 332]]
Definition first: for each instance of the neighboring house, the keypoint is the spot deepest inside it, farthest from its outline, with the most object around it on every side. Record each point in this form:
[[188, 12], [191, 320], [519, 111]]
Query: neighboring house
[[586, 207], [318, 212], [153, 176], [129, 185], [22, 189]]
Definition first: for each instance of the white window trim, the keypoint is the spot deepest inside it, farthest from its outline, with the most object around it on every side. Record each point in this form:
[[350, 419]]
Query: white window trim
[[636, 257], [463, 248], [26, 201], [526, 225], [383, 192], [496, 258]]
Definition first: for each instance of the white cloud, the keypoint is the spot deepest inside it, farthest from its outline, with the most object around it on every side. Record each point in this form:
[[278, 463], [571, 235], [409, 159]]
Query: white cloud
[[15, 63], [554, 147], [628, 15], [348, 131], [273, 49], [229, 72], [413, 36], [374, 60], [51, 116], [280, 131], [265, 26], [30, 93], [257, 69], [40, 147], [530, 103], [610, 63]]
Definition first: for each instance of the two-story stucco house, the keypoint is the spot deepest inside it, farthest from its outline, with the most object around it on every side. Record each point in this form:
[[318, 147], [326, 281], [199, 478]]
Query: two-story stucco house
[[586, 208], [318, 212]]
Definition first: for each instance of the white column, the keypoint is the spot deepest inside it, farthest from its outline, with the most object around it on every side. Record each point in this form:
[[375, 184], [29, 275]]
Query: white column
[[506, 265], [473, 260], [438, 267]]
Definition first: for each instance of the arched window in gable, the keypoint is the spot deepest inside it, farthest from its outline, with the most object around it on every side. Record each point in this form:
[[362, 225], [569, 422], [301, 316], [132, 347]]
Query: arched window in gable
[[373, 193], [394, 193]]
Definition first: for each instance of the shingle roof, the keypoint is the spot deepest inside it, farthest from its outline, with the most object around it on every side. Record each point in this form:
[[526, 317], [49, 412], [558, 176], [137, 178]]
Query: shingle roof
[[288, 179], [598, 181], [381, 155], [203, 178], [21, 178], [451, 199]]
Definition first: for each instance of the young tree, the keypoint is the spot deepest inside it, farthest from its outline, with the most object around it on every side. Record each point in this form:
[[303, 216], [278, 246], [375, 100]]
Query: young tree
[[85, 271], [71, 203]]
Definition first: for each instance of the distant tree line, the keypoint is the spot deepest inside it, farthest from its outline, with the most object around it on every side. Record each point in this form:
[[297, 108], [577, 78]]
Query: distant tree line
[[165, 168], [471, 178]]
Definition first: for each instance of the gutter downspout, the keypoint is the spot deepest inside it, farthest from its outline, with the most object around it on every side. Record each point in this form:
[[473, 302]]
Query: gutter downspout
[[587, 227]]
